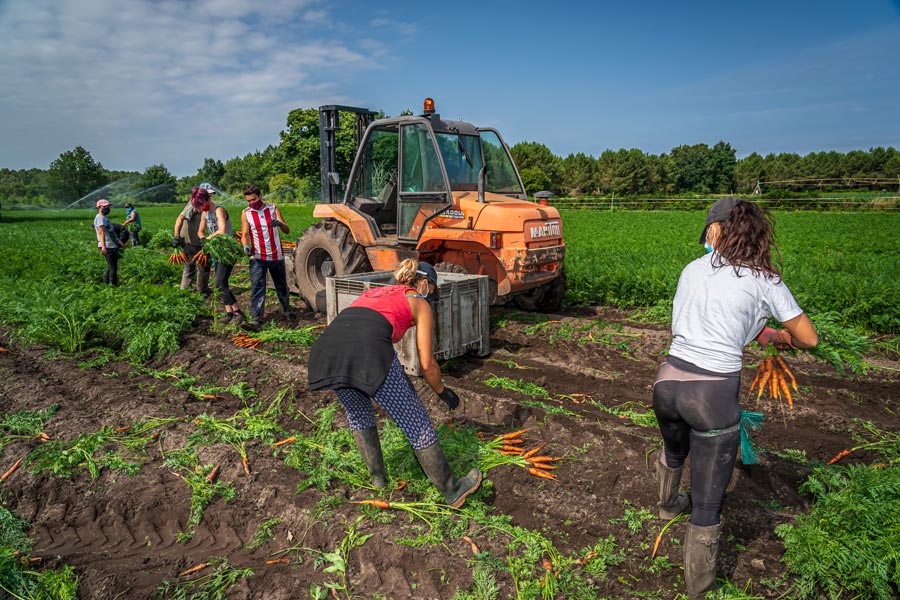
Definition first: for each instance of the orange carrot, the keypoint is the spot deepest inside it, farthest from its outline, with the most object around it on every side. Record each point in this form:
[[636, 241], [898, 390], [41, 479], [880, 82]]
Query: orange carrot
[[401, 485], [12, 469], [275, 561], [213, 474], [511, 450], [209, 396], [543, 459], [199, 567], [541, 473], [123, 429], [786, 391], [474, 548], [548, 566], [42, 437], [246, 463], [535, 450], [542, 466], [656, 546], [839, 456], [154, 436], [2, 349], [514, 434], [289, 440], [765, 368], [375, 503], [787, 371]]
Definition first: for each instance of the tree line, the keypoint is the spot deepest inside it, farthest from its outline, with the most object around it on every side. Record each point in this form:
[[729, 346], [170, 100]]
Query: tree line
[[290, 171]]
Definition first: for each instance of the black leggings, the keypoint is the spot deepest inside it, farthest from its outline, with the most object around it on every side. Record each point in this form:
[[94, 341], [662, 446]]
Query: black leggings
[[223, 272], [112, 266], [699, 413]]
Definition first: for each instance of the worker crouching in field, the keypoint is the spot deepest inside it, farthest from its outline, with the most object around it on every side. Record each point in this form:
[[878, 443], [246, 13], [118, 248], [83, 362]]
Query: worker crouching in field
[[355, 357], [722, 303], [187, 235]]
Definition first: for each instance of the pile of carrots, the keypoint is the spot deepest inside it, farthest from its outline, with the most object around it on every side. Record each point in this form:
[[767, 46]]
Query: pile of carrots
[[288, 245], [773, 375], [178, 257], [201, 259], [510, 444], [242, 340]]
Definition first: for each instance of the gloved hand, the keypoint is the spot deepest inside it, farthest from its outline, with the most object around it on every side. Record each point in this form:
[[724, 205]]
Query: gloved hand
[[450, 398], [177, 242], [780, 337], [202, 241], [248, 250], [276, 223]]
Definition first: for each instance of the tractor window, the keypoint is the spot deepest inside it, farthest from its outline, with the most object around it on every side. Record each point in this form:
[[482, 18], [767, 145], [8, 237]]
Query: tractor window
[[462, 159], [501, 174], [421, 165], [377, 166]]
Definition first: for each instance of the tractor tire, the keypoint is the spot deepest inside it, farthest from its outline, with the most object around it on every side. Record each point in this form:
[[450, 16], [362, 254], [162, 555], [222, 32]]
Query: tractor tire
[[327, 249], [449, 267], [546, 298]]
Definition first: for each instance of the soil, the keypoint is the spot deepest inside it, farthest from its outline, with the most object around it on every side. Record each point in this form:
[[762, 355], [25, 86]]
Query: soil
[[119, 532]]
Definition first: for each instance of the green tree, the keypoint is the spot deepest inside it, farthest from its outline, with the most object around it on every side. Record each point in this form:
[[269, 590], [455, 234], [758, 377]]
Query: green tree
[[75, 174], [252, 168], [155, 175], [537, 156], [211, 171], [534, 180], [578, 173]]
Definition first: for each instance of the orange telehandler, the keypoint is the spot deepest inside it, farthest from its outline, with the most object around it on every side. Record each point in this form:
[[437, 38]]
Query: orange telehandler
[[444, 192]]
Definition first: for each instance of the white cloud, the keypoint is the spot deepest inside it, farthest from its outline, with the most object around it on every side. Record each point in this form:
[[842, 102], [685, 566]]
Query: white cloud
[[139, 82]]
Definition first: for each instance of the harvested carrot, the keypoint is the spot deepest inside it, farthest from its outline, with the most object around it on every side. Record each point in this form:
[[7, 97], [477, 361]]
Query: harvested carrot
[[765, 367], [514, 434], [534, 450], [209, 396], [755, 380], [401, 485], [472, 544], [786, 391], [123, 429], [542, 474], [511, 449], [2, 349], [199, 567], [548, 566], [276, 561], [543, 466], [376, 503], [656, 546], [289, 440], [839, 456], [213, 474], [787, 371], [154, 436], [543, 459], [12, 469], [42, 437], [246, 463]]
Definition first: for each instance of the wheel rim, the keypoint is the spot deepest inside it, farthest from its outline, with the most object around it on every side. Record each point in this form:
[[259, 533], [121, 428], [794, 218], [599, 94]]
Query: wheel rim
[[319, 265]]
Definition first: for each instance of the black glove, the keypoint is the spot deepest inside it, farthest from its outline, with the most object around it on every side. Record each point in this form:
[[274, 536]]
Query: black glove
[[248, 250], [177, 241], [276, 223], [450, 398], [202, 241]]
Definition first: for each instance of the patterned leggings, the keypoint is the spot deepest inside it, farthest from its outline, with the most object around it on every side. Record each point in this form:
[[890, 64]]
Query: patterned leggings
[[399, 399]]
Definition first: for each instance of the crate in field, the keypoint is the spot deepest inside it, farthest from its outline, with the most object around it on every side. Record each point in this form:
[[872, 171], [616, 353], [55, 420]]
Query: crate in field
[[461, 317]]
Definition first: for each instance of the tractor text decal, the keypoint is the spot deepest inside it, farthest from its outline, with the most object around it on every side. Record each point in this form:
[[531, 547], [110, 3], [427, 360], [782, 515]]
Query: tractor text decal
[[550, 229]]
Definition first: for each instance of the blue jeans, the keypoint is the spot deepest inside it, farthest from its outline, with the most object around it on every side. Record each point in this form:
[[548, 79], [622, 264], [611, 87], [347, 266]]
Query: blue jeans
[[258, 270]]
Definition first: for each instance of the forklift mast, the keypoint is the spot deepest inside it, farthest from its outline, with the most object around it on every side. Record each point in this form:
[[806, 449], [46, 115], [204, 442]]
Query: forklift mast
[[329, 122]]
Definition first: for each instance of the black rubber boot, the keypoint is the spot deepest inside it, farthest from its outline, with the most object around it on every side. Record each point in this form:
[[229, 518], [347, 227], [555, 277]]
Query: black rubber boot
[[701, 549], [435, 465], [672, 502], [370, 448]]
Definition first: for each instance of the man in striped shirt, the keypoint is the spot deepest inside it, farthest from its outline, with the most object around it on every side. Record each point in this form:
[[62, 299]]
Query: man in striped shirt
[[260, 226]]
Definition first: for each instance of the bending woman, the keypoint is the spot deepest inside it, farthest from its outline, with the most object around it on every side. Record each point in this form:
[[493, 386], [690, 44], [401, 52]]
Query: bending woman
[[722, 303], [355, 357]]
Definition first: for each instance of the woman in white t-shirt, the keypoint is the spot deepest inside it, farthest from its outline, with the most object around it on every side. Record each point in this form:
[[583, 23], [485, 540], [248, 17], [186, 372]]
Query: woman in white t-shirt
[[722, 303]]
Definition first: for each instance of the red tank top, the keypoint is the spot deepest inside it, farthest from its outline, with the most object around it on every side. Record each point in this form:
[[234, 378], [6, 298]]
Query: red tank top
[[391, 303]]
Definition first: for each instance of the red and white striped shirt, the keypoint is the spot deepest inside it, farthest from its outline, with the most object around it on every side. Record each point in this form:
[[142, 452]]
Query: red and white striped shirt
[[265, 239]]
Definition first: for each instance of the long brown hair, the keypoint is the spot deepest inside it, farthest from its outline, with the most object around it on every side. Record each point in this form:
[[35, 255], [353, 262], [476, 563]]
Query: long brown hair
[[748, 240]]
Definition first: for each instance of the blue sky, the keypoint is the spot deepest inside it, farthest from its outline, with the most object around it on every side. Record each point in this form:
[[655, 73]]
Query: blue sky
[[141, 82]]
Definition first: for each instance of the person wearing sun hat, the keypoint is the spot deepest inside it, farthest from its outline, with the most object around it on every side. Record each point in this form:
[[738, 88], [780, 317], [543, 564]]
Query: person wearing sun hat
[[107, 241], [355, 357], [722, 303]]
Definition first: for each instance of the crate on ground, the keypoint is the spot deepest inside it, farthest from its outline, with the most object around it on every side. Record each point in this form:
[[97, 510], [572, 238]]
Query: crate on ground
[[461, 317]]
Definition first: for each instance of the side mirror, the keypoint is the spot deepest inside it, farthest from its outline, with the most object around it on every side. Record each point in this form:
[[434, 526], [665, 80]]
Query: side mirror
[[334, 178]]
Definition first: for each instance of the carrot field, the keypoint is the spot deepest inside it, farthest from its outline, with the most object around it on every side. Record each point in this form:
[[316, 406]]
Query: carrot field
[[149, 451]]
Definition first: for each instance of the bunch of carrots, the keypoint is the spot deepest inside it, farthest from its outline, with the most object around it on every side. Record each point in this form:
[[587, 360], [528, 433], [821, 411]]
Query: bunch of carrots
[[288, 245], [178, 257], [201, 259], [510, 444], [242, 340], [773, 375]]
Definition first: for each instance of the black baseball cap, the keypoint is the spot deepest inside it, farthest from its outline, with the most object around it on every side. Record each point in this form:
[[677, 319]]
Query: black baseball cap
[[427, 271], [718, 212]]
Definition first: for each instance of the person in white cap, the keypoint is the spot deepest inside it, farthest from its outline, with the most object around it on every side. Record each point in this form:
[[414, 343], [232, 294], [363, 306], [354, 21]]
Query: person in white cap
[[107, 242], [722, 303]]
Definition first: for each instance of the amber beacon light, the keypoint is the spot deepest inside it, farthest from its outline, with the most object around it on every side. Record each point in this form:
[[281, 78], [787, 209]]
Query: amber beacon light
[[429, 106]]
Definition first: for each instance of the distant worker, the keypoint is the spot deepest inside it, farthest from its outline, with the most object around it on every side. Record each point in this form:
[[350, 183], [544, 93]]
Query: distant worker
[[216, 221], [107, 242], [355, 357], [132, 222], [722, 303], [260, 226], [187, 236]]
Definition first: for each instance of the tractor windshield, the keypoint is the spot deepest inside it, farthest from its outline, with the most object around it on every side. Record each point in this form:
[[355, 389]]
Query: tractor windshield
[[501, 173], [462, 159]]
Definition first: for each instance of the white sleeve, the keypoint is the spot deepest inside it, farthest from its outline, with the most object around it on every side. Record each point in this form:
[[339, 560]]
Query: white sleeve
[[781, 302]]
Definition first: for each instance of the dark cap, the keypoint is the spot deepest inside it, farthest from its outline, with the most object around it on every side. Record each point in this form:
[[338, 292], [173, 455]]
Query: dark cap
[[718, 212], [427, 271]]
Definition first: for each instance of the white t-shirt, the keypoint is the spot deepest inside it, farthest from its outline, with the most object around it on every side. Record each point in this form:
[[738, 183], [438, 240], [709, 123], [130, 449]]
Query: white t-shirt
[[716, 313]]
